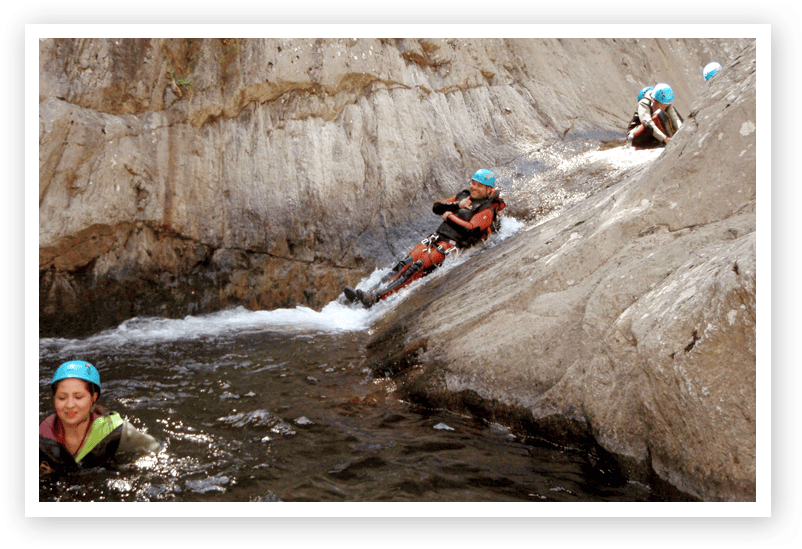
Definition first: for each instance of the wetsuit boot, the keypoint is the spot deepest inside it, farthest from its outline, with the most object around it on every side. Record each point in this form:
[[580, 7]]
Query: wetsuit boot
[[350, 294], [367, 299]]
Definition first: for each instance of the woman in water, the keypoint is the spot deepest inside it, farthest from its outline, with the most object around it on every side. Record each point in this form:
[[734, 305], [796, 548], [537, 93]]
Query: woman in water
[[82, 433]]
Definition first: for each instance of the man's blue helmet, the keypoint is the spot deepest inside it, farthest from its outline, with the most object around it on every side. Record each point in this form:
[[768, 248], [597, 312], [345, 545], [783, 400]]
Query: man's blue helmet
[[711, 69], [77, 369], [663, 94], [485, 177], [643, 92]]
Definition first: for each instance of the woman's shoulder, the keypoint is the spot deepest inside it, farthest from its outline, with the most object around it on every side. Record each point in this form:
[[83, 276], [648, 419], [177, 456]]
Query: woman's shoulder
[[46, 426], [105, 422]]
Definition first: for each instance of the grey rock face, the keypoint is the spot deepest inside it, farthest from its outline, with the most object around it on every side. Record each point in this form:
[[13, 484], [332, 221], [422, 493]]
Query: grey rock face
[[181, 176], [628, 320]]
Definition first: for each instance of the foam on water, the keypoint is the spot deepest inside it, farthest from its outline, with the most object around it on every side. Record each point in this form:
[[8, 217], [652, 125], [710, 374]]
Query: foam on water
[[336, 317]]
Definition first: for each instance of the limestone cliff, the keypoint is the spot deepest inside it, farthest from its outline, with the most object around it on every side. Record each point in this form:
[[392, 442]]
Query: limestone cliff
[[628, 322], [181, 176]]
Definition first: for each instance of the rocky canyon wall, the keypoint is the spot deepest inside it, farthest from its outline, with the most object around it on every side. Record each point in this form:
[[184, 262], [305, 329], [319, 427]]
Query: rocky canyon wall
[[182, 176], [626, 323]]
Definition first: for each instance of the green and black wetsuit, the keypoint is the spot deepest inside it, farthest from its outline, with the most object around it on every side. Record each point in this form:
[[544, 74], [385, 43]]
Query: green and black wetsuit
[[109, 438]]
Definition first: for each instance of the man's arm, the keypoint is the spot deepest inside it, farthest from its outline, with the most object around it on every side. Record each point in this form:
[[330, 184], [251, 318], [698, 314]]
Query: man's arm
[[645, 113], [443, 206], [480, 221]]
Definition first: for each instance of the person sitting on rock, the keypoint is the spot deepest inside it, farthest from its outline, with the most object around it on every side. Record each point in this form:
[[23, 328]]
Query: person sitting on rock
[[82, 433], [635, 121], [468, 218], [659, 120]]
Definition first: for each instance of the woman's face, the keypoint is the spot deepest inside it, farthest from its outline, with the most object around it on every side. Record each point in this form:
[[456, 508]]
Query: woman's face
[[73, 401]]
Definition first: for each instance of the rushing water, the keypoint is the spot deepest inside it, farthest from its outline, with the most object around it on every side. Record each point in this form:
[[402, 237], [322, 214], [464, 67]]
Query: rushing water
[[280, 406], [295, 416]]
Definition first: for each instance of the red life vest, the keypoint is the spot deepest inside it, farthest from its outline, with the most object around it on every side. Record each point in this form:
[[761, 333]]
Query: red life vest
[[659, 119], [463, 237]]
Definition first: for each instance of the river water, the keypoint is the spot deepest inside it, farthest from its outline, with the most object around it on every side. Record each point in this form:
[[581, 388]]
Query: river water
[[280, 406]]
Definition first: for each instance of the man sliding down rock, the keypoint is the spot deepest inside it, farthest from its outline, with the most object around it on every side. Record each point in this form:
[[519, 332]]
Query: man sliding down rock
[[468, 218]]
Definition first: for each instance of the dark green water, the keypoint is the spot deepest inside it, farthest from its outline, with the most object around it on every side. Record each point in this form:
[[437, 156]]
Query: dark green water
[[279, 406], [296, 416]]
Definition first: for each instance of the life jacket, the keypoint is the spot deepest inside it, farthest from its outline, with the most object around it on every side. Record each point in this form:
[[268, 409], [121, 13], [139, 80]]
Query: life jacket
[[498, 204], [108, 436], [660, 119], [463, 238]]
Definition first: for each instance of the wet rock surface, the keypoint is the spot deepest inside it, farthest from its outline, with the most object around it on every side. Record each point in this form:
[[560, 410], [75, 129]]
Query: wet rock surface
[[625, 322], [186, 176], [268, 173]]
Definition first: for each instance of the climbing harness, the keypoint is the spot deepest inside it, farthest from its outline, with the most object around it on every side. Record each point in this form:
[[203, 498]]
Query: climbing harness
[[434, 241]]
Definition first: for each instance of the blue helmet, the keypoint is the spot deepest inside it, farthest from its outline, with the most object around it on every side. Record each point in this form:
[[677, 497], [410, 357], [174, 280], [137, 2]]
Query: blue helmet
[[663, 94], [710, 69], [643, 92], [77, 369], [485, 177]]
